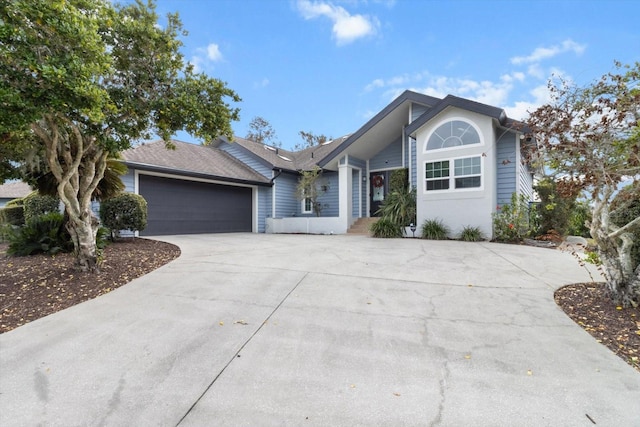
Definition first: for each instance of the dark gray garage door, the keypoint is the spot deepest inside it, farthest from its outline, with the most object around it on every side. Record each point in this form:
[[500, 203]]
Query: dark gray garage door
[[188, 207]]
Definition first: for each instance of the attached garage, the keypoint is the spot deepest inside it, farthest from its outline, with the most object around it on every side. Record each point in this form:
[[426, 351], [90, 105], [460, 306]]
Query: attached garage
[[177, 206]]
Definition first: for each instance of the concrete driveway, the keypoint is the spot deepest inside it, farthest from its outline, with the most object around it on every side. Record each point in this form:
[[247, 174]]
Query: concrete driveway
[[262, 330]]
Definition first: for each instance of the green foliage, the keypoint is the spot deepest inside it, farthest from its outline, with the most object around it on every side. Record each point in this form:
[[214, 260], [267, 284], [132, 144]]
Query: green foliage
[[36, 205], [261, 131], [126, 211], [12, 215], [580, 216], [471, 234], [39, 176], [385, 228], [511, 222], [82, 79], [434, 229], [554, 210], [399, 180], [624, 209], [400, 207], [45, 233]]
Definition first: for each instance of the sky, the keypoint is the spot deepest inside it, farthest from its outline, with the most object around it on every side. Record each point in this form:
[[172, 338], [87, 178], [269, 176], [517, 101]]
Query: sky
[[327, 67]]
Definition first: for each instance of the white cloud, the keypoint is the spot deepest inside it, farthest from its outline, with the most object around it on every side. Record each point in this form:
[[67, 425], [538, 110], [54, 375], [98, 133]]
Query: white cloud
[[205, 56], [213, 52], [262, 83], [542, 53], [346, 27]]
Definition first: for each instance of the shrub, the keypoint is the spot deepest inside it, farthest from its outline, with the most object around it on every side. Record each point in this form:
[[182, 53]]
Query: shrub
[[554, 210], [45, 233], [12, 215], [36, 205], [386, 228], [580, 216], [434, 229], [399, 180], [400, 207], [126, 211], [511, 222], [471, 234]]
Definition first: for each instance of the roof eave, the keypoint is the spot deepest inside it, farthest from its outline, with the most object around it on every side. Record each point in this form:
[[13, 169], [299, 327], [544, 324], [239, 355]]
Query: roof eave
[[192, 174]]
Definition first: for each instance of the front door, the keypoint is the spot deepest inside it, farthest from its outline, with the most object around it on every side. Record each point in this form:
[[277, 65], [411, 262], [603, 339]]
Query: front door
[[379, 186]]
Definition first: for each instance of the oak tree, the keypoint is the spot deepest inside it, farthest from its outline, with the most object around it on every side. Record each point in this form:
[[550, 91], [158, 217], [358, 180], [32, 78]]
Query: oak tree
[[82, 80], [591, 137]]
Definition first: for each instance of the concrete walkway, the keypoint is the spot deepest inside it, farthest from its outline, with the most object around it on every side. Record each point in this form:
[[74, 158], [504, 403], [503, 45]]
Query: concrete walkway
[[262, 330]]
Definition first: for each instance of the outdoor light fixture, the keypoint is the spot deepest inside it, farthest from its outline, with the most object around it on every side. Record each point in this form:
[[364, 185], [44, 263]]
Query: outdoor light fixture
[[412, 226]]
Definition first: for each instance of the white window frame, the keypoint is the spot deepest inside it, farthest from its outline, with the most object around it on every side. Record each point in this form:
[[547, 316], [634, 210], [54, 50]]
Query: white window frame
[[304, 209], [458, 147], [452, 175]]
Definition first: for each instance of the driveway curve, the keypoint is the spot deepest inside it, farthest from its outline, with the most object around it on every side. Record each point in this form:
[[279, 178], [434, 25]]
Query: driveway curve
[[262, 330]]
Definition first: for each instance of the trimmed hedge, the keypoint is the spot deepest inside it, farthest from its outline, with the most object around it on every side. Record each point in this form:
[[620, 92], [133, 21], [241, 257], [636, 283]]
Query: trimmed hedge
[[126, 211], [36, 205], [12, 215]]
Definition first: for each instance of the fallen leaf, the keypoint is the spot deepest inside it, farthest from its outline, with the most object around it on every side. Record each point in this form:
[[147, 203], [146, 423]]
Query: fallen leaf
[[529, 372], [221, 323], [352, 386], [396, 394], [467, 356], [240, 322]]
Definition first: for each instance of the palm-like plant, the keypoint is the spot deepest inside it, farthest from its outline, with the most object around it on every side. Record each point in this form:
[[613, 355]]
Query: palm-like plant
[[400, 207], [111, 185]]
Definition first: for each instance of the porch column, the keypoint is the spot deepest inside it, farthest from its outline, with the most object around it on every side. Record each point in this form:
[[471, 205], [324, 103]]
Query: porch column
[[345, 188]]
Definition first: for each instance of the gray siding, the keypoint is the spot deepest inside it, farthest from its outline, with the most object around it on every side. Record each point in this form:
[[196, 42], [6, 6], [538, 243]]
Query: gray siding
[[389, 157], [264, 207], [506, 164], [287, 203], [526, 182], [329, 199], [246, 158], [414, 163], [358, 184], [129, 181], [417, 110]]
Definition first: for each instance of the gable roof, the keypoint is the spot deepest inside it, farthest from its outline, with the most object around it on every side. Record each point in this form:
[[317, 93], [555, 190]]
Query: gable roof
[[14, 190], [191, 160], [404, 99], [462, 103]]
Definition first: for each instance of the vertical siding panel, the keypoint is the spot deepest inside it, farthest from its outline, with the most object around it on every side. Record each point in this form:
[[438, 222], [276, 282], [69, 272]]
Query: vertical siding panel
[[287, 204]]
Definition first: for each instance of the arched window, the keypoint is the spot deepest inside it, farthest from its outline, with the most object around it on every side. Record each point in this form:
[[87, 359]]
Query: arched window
[[454, 133]]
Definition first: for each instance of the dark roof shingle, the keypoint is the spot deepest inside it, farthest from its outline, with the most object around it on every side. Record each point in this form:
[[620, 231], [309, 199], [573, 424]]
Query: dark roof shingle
[[191, 159]]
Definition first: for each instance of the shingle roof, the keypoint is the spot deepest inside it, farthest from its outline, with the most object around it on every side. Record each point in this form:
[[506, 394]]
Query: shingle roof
[[14, 190], [191, 160], [278, 158], [463, 103]]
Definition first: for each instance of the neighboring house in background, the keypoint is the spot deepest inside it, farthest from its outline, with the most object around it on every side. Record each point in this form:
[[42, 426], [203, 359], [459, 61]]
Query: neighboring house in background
[[13, 190], [464, 160]]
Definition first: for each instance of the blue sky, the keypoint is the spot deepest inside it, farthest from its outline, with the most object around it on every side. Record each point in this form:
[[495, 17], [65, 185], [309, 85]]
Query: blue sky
[[329, 66]]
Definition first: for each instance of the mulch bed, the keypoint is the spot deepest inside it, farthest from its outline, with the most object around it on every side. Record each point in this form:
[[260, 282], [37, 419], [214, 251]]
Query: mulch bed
[[589, 305], [36, 286]]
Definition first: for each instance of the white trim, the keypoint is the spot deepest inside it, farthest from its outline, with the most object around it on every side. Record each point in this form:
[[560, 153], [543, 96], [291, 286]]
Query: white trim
[[304, 205], [273, 194], [410, 166], [188, 178], [368, 189], [452, 175], [459, 147]]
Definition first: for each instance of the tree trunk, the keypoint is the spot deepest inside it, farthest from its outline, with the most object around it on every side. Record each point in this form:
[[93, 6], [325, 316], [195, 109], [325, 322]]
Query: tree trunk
[[614, 250], [78, 164]]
